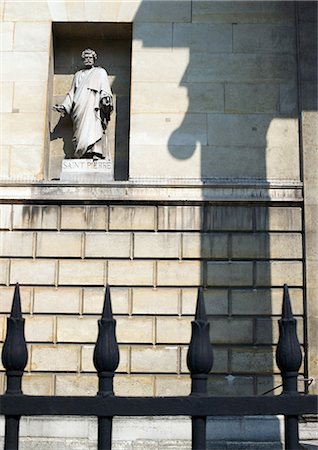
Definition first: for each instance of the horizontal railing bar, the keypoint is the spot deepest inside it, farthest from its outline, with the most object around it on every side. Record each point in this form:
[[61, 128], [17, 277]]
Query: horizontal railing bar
[[158, 406]]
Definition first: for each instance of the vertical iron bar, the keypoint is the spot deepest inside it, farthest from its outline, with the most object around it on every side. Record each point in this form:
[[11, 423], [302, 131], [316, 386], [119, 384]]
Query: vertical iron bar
[[14, 359], [200, 362], [288, 358], [106, 360]]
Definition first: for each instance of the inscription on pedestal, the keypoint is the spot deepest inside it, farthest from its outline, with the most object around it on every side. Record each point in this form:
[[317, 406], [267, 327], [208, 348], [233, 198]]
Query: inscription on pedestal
[[87, 170]]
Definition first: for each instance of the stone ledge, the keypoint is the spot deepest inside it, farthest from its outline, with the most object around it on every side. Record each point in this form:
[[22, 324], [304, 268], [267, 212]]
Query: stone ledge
[[183, 190]]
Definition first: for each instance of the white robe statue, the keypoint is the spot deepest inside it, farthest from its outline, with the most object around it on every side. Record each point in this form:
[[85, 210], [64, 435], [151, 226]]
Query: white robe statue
[[89, 103]]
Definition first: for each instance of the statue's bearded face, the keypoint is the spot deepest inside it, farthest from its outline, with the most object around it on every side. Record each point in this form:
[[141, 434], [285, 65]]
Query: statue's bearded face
[[88, 59]]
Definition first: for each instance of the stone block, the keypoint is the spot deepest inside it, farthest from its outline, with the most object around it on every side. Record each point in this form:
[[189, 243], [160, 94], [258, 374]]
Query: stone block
[[265, 38], [132, 218], [23, 128], [264, 384], [154, 359], [203, 37], [267, 331], [6, 36], [216, 301], [162, 163], [173, 330], [57, 300], [288, 99], [135, 330], [107, 245], [230, 274], [156, 245], [172, 129], [6, 298], [235, 67], [159, 11], [59, 244], [87, 364], [55, 358], [5, 153], [76, 384], [252, 360], [3, 327], [231, 331], [242, 12], [264, 301], [155, 301], [130, 273], [82, 218], [227, 218], [207, 245], [134, 385], [26, 66], [4, 272], [278, 219], [172, 386], [34, 36], [151, 36], [230, 385], [26, 169], [76, 329], [267, 245], [26, 271], [173, 98], [6, 90], [39, 329], [16, 243], [174, 273], [251, 97], [33, 384], [93, 300], [5, 216], [180, 218], [251, 130], [278, 273], [17, 11], [30, 96], [81, 273], [151, 66], [36, 217]]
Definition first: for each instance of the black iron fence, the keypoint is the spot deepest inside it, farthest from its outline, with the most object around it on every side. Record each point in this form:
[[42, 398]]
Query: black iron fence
[[105, 405]]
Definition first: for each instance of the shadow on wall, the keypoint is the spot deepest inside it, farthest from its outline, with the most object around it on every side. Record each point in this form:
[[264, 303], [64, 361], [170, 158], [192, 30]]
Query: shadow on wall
[[238, 65]]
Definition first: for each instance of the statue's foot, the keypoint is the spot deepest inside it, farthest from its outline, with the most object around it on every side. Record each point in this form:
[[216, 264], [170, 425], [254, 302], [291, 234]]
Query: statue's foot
[[97, 156]]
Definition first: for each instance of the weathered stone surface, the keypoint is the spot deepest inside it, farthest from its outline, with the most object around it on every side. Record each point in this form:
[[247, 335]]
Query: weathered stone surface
[[16, 244], [271, 246], [6, 34], [204, 245], [79, 329], [6, 104], [134, 218], [226, 218], [238, 331], [182, 273], [37, 272], [173, 330], [229, 274], [209, 38], [59, 244], [155, 301], [23, 128], [79, 217], [30, 96], [171, 386], [157, 245], [277, 273], [133, 385], [253, 360], [55, 358], [154, 359], [131, 273], [93, 300], [26, 66], [251, 97], [216, 301], [81, 273], [39, 329], [57, 300], [180, 218], [151, 36], [34, 384], [135, 330], [278, 218], [36, 217], [34, 36], [107, 245], [256, 38]]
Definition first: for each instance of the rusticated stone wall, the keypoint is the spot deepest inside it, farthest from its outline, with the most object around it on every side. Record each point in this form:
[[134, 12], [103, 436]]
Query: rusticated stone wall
[[154, 257]]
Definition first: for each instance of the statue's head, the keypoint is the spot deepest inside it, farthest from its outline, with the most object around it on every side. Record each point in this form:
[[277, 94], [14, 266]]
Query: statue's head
[[89, 57]]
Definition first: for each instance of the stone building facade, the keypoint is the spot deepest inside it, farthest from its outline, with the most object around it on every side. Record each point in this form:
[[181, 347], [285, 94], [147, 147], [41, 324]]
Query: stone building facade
[[214, 139]]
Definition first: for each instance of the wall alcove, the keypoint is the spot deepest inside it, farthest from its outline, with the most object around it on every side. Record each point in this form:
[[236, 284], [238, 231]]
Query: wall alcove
[[112, 42]]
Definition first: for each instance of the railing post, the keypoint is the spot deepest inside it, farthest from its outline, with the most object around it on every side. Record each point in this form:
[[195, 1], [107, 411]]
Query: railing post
[[106, 360], [14, 359], [289, 358], [200, 362]]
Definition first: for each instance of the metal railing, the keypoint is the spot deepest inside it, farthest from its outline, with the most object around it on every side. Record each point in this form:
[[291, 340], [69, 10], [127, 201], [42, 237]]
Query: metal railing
[[105, 405]]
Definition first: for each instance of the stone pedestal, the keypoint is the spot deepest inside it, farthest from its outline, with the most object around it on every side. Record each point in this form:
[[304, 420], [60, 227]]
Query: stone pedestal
[[87, 170]]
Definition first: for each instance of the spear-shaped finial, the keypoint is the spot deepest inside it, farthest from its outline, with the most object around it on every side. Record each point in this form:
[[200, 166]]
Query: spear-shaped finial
[[200, 354], [15, 353], [106, 353], [288, 352]]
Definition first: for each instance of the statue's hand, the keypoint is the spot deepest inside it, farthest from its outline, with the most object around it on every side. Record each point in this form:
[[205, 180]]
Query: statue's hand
[[107, 101], [60, 109]]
